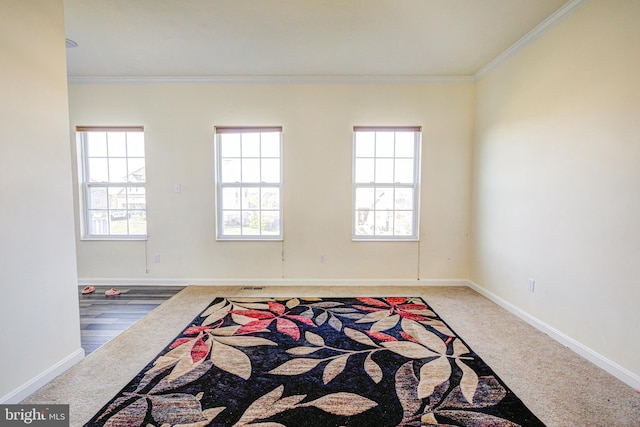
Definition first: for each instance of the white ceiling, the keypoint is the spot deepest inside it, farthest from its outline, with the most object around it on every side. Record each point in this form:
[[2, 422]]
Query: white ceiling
[[257, 38]]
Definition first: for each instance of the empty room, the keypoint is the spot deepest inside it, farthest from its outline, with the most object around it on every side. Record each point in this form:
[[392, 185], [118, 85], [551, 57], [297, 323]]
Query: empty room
[[320, 213]]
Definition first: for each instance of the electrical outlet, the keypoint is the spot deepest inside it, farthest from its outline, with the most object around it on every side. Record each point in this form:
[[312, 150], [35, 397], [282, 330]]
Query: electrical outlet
[[156, 258], [322, 259], [532, 285]]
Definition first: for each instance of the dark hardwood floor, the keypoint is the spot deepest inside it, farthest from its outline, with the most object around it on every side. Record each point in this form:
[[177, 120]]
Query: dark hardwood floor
[[104, 317]]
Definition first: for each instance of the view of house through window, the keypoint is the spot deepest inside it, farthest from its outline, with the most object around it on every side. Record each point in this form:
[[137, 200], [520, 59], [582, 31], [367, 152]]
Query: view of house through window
[[385, 183], [113, 181], [249, 183]]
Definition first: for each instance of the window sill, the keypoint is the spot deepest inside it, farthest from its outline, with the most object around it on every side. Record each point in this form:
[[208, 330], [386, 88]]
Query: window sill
[[114, 238], [378, 239], [248, 239]]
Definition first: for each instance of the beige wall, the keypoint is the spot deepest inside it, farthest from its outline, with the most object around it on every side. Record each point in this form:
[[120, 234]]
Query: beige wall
[[39, 302], [317, 122], [557, 179]]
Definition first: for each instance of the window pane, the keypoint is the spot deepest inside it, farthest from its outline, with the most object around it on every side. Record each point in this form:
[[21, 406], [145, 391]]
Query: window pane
[[231, 198], [116, 144], [403, 223], [135, 144], [138, 222], [230, 170], [364, 198], [136, 170], [231, 222], [118, 223], [404, 171], [97, 198], [229, 144], [365, 144], [384, 199], [270, 198], [136, 198], [404, 199], [251, 144], [251, 198], [250, 223], [117, 198], [270, 170], [405, 144], [117, 170], [364, 170], [384, 144], [98, 171], [270, 144], [96, 144], [270, 223], [384, 170], [251, 170], [384, 223], [98, 223], [364, 222]]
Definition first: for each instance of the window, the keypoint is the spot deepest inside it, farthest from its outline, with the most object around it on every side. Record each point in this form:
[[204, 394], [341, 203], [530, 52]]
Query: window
[[249, 183], [386, 174], [112, 166]]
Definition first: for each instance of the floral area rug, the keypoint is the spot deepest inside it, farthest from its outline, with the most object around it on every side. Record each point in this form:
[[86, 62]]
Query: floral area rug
[[297, 362]]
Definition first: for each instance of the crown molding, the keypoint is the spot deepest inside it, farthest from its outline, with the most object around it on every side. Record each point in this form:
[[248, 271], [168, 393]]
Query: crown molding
[[266, 79], [555, 18]]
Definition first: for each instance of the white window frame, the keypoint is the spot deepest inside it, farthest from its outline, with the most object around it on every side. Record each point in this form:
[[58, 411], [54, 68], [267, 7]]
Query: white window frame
[[414, 186], [85, 187], [220, 185]]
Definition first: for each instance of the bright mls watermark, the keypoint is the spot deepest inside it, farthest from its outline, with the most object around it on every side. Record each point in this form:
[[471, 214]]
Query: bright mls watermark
[[34, 415]]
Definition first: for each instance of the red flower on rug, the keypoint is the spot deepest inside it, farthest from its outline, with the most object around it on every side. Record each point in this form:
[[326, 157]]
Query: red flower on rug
[[394, 306], [192, 330], [385, 313], [278, 313]]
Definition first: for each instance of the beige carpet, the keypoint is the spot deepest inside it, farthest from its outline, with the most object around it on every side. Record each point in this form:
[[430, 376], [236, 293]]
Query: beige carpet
[[560, 387]]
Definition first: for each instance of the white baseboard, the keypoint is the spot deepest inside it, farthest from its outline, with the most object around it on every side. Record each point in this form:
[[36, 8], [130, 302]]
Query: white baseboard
[[30, 387], [272, 282], [592, 356]]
